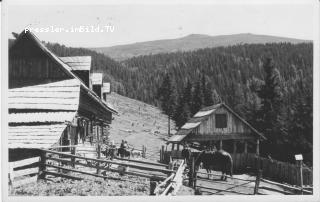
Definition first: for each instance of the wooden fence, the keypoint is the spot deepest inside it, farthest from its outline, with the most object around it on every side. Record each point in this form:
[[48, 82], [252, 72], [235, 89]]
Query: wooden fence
[[282, 172], [54, 163], [23, 171], [171, 185]]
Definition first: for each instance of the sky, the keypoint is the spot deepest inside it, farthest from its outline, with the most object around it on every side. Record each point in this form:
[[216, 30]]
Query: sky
[[130, 23]]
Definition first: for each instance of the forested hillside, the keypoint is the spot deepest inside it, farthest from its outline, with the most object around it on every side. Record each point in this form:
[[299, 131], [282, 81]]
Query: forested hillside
[[188, 43], [275, 96]]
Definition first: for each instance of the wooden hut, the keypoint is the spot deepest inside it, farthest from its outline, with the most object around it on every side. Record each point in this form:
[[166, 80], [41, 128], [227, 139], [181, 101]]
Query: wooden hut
[[214, 126], [48, 103]]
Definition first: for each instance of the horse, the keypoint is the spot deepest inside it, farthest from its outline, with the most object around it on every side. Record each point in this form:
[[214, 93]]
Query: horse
[[221, 160], [123, 153], [136, 153]]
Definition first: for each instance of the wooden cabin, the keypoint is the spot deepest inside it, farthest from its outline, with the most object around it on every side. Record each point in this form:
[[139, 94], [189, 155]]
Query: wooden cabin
[[217, 126], [49, 103]]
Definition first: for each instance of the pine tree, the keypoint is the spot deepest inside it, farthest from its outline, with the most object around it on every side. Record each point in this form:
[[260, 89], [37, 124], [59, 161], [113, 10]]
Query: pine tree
[[197, 98], [182, 112], [167, 98], [269, 119], [206, 92]]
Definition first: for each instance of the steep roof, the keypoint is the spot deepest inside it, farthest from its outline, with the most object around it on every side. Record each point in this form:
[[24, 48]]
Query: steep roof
[[202, 115], [66, 68], [78, 62]]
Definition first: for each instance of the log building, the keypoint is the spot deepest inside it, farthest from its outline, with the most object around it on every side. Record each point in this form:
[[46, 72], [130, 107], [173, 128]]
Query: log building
[[50, 101], [214, 125]]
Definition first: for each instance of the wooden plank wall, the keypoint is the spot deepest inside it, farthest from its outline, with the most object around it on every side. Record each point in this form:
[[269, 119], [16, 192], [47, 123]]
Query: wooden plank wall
[[234, 125]]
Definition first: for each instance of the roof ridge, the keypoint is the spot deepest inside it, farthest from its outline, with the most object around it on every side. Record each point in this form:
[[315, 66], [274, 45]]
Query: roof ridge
[[66, 67]]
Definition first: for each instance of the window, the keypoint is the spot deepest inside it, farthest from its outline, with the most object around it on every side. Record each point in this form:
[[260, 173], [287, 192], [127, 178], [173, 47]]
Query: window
[[221, 120]]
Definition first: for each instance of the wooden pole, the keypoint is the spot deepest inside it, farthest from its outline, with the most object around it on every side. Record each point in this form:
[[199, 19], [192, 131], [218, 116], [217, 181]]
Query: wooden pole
[[234, 146], [220, 146], [42, 165], [172, 148], [301, 176], [162, 156], [178, 147], [99, 149], [145, 151], [73, 152], [153, 185], [258, 149], [245, 147], [169, 126], [257, 183]]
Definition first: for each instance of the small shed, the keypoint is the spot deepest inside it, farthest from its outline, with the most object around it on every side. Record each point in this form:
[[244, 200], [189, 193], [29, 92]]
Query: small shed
[[105, 90], [80, 66], [214, 125]]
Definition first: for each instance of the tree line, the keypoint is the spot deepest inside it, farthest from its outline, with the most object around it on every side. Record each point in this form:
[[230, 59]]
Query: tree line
[[274, 95]]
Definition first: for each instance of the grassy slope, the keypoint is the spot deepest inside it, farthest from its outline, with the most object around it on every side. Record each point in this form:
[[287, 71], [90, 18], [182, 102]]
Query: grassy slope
[[139, 123]]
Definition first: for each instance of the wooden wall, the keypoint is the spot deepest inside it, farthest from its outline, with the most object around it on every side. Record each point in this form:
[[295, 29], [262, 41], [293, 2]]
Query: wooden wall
[[234, 125], [30, 65]]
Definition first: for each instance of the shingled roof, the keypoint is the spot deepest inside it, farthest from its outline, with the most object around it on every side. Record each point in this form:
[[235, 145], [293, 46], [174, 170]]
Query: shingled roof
[[202, 115]]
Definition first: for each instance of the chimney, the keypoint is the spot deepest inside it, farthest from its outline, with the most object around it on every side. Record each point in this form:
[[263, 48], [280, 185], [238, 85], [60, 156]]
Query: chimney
[[80, 66], [96, 82], [105, 90]]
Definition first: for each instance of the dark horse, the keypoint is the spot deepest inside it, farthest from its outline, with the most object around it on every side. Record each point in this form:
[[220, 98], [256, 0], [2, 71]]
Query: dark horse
[[215, 160], [123, 153]]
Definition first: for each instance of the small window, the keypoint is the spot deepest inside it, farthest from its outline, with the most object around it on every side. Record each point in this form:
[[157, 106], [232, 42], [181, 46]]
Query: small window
[[221, 120]]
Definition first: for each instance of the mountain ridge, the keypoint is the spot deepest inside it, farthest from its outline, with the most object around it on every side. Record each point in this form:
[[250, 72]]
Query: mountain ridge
[[189, 43]]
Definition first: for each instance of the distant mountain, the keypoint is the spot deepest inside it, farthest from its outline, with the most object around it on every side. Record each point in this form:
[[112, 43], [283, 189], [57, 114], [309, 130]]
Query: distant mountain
[[188, 43]]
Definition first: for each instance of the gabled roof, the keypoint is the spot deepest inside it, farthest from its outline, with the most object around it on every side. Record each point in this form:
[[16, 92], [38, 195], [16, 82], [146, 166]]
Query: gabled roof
[[67, 69], [78, 62], [203, 115]]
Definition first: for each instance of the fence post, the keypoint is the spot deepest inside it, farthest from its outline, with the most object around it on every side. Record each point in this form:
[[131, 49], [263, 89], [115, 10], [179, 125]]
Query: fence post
[[42, 166], [301, 176], [153, 185], [191, 173], [10, 178], [162, 154], [73, 152], [145, 151], [256, 187]]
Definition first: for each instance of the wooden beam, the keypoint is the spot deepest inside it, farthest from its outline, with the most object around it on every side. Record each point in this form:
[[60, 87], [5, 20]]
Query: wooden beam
[[245, 147], [258, 147], [24, 162], [142, 162], [172, 148], [112, 162], [234, 146], [214, 137], [220, 144]]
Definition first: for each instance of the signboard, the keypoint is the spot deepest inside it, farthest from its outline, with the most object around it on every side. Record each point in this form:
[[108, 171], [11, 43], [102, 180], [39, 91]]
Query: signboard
[[96, 78], [106, 88], [298, 157]]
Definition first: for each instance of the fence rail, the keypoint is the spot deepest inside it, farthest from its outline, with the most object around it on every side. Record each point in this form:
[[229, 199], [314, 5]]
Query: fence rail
[[23, 171], [281, 172]]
